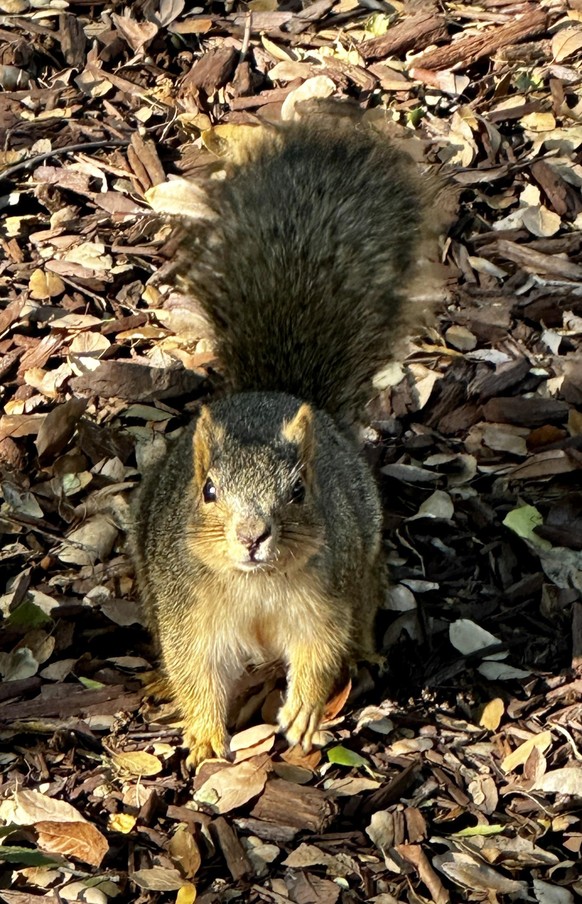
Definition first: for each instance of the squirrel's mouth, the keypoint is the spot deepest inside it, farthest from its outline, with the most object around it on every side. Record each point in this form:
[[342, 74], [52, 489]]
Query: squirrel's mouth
[[249, 566]]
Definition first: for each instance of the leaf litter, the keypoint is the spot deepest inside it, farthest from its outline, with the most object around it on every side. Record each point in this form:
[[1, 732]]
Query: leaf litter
[[456, 774]]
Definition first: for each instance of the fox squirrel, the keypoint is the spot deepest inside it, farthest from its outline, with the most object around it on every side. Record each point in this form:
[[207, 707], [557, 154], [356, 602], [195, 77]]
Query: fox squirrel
[[259, 535]]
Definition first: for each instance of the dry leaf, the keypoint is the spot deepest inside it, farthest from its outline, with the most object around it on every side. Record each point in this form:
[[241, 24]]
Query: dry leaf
[[79, 840], [91, 542], [158, 879], [30, 807], [137, 763], [566, 41], [492, 714], [320, 86], [45, 284], [232, 787], [471, 873], [180, 198], [468, 637], [562, 781], [542, 741], [122, 822], [334, 706], [250, 737], [184, 851]]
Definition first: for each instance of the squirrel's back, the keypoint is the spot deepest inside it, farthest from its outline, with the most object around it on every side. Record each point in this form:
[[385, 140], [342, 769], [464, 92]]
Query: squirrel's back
[[301, 268]]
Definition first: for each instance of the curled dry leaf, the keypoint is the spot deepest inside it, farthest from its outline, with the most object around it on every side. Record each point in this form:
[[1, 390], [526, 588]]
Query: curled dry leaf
[[29, 807], [300, 775], [58, 426], [548, 893], [375, 718], [91, 256], [18, 665], [542, 741], [137, 762], [180, 198], [85, 351], [501, 671], [334, 706], [320, 86], [61, 828], [250, 737], [307, 855], [91, 542], [415, 855], [348, 787]]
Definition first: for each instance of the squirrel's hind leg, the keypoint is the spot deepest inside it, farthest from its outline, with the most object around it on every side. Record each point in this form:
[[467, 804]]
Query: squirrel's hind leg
[[371, 598]]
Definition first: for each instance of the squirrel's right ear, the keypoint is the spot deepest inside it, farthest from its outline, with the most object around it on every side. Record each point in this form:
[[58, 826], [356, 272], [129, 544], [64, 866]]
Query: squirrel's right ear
[[206, 435]]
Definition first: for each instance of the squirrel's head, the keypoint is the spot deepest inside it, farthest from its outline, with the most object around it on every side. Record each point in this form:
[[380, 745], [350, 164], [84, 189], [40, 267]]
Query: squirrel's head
[[254, 483]]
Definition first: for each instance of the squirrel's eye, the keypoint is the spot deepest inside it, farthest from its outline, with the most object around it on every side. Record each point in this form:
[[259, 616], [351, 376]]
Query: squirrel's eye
[[209, 491], [298, 491]]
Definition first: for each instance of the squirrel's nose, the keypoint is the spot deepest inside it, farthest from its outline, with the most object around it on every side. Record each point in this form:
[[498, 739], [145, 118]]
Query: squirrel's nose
[[252, 539]]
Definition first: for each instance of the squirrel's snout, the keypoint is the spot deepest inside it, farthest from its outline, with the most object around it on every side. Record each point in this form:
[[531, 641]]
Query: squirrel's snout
[[255, 538]]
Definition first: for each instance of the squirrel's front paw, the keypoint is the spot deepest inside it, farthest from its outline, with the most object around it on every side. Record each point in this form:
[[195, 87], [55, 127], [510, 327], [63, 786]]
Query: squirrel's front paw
[[299, 721], [204, 748]]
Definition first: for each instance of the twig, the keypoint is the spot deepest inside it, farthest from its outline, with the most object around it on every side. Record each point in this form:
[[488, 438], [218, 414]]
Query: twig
[[246, 37], [67, 149]]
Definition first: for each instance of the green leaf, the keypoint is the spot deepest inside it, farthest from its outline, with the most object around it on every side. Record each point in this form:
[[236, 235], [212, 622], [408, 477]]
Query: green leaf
[[89, 683], [28, 615], [341, 756], [522, 522], [479, 830], [377, 25], [414, 116], [27, 856]]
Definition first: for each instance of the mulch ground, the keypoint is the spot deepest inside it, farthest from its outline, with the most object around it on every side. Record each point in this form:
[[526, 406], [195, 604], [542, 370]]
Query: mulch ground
[[456, 776]]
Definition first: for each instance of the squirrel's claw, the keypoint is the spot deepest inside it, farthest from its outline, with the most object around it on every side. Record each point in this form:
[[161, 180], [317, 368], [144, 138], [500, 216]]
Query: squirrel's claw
[[204, 748], [299, 722]]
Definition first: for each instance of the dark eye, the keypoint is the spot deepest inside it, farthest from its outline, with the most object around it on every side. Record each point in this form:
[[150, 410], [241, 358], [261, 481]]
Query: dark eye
[[298, 492], [209, 491]]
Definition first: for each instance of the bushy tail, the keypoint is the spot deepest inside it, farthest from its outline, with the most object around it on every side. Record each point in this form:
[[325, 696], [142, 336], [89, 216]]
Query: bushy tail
[[301, 269]]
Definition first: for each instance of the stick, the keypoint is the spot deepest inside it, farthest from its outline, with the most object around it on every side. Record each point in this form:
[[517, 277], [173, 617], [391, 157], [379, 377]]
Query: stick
[[467, 50]]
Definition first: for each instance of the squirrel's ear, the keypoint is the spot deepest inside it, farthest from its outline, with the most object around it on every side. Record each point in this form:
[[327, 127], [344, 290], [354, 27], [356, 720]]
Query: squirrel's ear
[[206, 435], [300, 431]]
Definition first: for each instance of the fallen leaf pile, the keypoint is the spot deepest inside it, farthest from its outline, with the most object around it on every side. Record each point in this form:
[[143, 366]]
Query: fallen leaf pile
[[456, 775]]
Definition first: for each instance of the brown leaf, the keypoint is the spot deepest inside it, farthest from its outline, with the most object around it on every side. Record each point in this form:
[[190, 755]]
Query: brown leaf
[[137, 34], [58, 427], [566, 42], [233, 786], [79, 840]]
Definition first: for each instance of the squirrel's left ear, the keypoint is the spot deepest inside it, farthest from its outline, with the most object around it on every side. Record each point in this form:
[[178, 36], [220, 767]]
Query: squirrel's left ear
[[300, 432]]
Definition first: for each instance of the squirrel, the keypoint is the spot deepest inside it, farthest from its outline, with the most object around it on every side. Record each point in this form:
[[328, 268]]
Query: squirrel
[[258, 537]]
